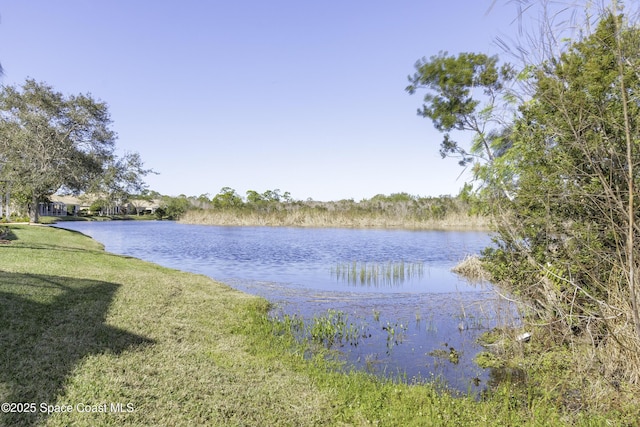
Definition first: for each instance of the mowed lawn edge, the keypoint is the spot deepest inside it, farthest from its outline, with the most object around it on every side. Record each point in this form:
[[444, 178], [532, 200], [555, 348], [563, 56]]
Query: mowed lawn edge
[[169, 347], [102, 339]]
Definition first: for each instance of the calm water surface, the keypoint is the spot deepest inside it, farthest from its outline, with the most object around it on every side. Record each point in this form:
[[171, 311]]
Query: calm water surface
[[407, 327]]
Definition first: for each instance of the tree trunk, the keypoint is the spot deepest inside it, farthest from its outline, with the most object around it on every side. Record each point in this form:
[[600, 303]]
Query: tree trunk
[[34, 216]]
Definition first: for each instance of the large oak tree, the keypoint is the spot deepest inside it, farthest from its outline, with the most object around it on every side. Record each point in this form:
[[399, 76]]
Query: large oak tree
[[50, 142]]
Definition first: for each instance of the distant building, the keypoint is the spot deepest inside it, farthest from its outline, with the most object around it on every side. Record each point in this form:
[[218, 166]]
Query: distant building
[[52, 209], [72, 205]]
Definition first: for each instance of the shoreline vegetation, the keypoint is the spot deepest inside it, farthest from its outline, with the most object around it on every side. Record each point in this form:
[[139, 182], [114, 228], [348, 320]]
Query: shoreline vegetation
[[346, 219], [93, 338], [399, 210]]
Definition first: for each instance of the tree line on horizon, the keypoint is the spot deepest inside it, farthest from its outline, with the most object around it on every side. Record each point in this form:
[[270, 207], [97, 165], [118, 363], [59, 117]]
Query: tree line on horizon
[[269, 201]]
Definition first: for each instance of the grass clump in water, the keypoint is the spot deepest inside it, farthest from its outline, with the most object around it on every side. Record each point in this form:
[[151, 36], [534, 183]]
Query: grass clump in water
[[329, 330], [471, 268], [82, 326], [378, 273]]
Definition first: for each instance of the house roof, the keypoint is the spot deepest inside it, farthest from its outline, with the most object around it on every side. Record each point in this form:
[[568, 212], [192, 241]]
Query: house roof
[[87, 200]]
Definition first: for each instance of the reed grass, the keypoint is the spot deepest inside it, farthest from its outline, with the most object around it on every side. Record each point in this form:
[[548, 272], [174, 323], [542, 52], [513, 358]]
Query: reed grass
[[345, 215], [377, 273], [84, 327]]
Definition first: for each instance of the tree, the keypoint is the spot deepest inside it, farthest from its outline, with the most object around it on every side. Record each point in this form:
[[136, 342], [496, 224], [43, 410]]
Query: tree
[[53, 142], [451, 83], [174, 207], [568, 241], [202, 201], [122, 180], [227, 198], [567, 233], [254, 197], [272, 195]]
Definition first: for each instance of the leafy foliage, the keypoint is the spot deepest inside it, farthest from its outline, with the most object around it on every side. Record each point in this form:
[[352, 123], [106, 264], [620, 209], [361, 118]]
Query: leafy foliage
[[52, 142], [560, 177], [453, 104], [567, 241], [227, 198]]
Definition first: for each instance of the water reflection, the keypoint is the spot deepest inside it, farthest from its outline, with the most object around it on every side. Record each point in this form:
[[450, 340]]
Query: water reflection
[[415, 319], [401, 333]]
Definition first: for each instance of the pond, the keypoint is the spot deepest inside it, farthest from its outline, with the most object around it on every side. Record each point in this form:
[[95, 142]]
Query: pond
[[415, 319]]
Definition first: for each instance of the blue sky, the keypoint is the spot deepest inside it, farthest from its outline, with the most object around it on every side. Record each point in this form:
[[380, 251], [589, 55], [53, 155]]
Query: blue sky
[[307, 97]]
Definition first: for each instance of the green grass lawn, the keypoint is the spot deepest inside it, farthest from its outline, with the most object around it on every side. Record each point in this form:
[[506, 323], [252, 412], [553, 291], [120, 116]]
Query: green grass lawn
[[100, 339]]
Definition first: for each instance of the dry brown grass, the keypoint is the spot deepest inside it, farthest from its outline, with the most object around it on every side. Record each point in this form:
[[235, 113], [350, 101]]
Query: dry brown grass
[[338, 219], [471, 268]]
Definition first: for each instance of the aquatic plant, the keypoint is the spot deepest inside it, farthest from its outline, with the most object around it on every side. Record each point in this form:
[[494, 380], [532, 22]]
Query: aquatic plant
[[377, 273], [448, 353], [371, 360], [334, 328], [395, 334], [454, 356], [288, 324], [431, 326], [395, 211], [330, 329]]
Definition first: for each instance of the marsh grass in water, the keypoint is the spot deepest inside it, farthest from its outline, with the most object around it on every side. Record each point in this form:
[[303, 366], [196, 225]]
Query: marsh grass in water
[[391, 273], [82, 326], [395, 334], [330, 330]]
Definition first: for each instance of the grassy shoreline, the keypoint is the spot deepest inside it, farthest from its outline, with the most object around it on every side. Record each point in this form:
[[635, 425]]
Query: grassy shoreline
[[85, 329]]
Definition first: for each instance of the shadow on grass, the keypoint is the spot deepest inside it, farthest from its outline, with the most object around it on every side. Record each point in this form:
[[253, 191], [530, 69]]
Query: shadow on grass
[[6, 234], [47, 325]]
